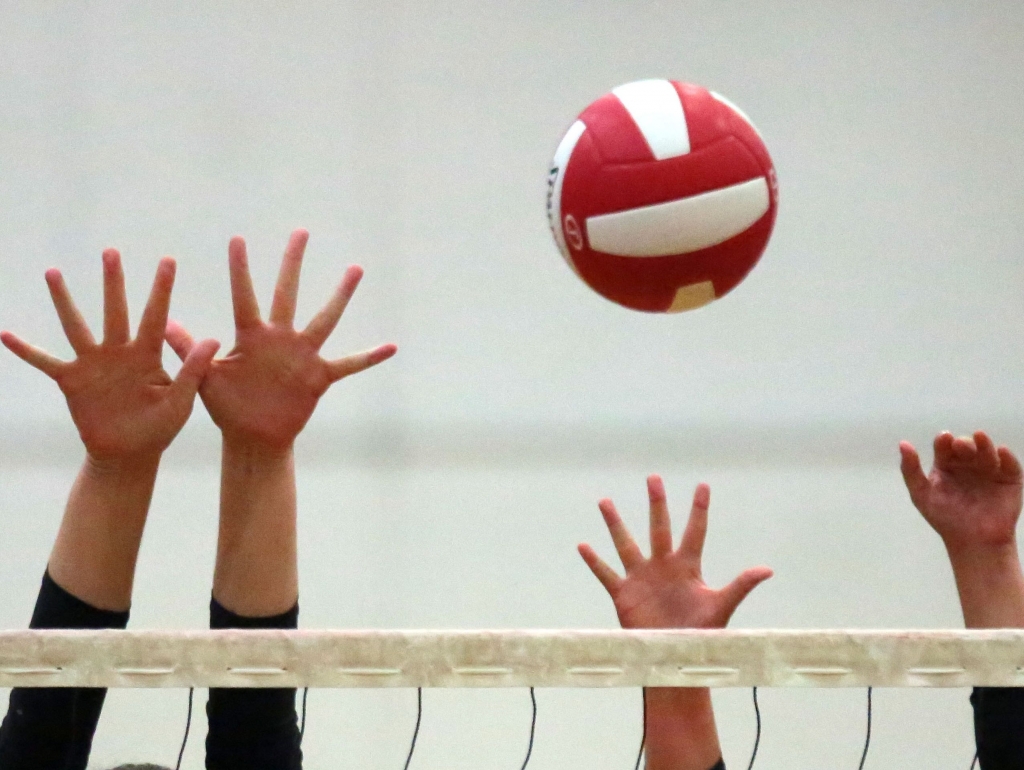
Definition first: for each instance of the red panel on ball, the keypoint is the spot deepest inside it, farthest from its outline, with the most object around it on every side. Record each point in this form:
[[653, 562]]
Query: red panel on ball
[[611, 128], [594, 187], [704, 115]]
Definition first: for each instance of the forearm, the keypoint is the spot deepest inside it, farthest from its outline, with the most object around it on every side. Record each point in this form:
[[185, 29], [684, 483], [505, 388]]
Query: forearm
[[991, 586], [681, 733], [97, 545], [252, 728], [52, 728], [256, 574]]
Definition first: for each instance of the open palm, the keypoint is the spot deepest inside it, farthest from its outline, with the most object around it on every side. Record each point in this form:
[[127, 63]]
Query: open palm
[[972, 496], [667, 590], [266, 388], [120, 398]]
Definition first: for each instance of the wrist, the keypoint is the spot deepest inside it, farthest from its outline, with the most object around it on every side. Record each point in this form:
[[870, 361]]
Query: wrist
[[990, 584], [122, 469], [251, 451], [986, 558], [677, 700]]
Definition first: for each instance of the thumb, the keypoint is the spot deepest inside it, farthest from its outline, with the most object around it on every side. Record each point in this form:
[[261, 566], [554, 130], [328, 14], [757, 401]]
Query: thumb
[[734, 593], [181, 341], [913, 475], [196, 365]]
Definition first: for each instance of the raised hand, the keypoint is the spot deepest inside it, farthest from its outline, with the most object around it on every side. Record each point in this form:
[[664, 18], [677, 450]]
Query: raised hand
[[123, 403], [265, 390], [972, 497], [667, 590]]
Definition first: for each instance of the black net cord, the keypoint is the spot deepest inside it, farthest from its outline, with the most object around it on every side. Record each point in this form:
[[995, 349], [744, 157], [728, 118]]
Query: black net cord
[[188, 726], [533, 728], [416, 731], [643, 733], [757, 734], [302, 724], [867, 738]]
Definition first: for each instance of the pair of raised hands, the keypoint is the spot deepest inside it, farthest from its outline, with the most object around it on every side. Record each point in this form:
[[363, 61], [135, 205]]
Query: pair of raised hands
[[126, 406], [971, 498]]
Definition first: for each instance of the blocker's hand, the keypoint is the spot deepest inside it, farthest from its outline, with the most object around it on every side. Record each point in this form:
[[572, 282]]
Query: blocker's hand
[[667, 590], [265, 390], [972, 497], [122, 401]]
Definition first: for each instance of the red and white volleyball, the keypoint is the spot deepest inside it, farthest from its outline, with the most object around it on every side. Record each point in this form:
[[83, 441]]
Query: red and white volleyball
[[662, 196]]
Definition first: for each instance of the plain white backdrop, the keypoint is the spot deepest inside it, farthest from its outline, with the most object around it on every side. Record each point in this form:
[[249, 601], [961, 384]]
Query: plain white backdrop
[[449, 487]]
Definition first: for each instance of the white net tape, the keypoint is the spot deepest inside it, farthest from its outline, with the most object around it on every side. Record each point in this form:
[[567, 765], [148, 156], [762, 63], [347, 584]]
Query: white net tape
[[514, 658]]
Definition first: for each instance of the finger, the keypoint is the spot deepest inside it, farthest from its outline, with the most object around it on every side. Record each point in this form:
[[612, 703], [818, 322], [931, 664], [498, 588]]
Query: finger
[[913, 474], [75, 328], [692, 544], [734, 593], [286, 292], [1009, 465], [195, 367], [181, 341], [943, 448], [964, 450], [243, 297], [31, 355], [323, 323], [629, 552], [660, 521], [357, 362], [153, 325], [116, 329], [987, 458], [608, 577]]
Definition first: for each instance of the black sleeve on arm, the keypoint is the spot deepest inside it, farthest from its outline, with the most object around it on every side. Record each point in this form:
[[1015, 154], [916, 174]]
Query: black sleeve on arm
[[52, 727], [999, 727], [252, 729], [719, 765]]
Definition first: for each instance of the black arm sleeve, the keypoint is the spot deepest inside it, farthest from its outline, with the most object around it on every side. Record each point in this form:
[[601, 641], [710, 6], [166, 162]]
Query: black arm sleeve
[[252, 729], [720, 765], [999, 727], [53, 727]]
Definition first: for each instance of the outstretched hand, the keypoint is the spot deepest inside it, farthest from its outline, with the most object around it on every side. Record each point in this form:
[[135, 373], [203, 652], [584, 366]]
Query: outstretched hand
[[667, 590], [122, 401], [265, 390], [972, 497]]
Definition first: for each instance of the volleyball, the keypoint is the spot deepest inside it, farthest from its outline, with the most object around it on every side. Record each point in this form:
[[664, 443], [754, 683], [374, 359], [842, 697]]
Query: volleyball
[[662, 196]]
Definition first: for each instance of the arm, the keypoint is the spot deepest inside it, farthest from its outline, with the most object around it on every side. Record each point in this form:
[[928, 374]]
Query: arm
[[668, 591], [127, 410], [972, 499], [260, 396]]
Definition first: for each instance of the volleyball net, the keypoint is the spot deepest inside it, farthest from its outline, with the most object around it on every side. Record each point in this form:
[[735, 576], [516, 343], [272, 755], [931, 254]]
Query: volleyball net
[[513, 658]]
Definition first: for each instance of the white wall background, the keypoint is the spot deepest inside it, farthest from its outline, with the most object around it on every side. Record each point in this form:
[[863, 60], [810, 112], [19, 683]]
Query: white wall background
[[449, 487]]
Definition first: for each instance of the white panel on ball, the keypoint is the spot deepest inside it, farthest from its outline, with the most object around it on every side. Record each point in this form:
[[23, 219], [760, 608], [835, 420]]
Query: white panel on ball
[[680, 226], [556, 176], [657, 111]]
